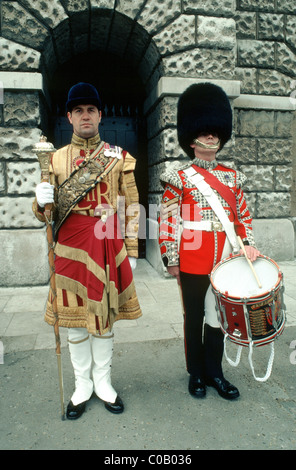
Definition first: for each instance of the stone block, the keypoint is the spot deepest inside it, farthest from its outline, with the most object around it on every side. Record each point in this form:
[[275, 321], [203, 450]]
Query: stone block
[[287, 6], [18, 23], [273, 205], [119, 34], [275, 238], [14, 56], [219, 33], [75, 6], [52, 13], [22, 177], [163, 116], [256, 5], [17, 213], [130, 8], [201, 63], [285, 59], [210, 7], [259, 177], [283, 124], [270, 26], [272, 82], [18, 143], [245, 150], [245, 25], [253, 53], [2, 177], [256, 123], [99, 29], [283, 178], [137, 45], [251, 202], [164, 146], [291, 30], [274, 151], [177, 35], [23, 258], [21, 109], [149, 61], [156, 13], [247, 77], [62, 39]]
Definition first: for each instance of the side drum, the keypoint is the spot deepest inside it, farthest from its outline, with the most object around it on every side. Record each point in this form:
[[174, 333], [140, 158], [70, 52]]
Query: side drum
[[249, 314]]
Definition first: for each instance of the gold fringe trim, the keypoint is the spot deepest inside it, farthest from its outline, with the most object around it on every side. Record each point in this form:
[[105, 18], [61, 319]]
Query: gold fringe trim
[[79, 317]]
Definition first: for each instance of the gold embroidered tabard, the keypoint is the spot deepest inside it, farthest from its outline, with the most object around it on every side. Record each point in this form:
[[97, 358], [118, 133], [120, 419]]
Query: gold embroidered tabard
[[81, 181], [86, 174]]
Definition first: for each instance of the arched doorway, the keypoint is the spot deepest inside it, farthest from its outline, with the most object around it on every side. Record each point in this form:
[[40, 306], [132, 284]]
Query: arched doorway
[[46, 50]]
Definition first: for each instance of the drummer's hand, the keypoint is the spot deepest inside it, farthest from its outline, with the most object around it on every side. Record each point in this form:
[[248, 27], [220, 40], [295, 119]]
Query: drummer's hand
[[174, 271], [252, 252]]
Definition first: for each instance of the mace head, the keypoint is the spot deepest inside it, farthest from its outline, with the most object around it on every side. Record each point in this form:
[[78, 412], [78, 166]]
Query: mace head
[[44, 150], [43, 146]]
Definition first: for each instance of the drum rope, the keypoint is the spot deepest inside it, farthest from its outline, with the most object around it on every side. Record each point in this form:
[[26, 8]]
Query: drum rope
[[269, 365], [250, 357], [238, 354]]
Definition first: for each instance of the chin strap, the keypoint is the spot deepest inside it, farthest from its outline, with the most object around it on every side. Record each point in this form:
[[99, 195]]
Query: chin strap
[[207, 146]]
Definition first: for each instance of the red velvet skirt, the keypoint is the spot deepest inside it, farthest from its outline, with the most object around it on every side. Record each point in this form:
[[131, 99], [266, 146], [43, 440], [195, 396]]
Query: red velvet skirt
[[91, 261]]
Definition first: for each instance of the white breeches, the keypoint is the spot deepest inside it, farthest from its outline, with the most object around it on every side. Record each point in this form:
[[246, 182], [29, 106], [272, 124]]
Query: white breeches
[[91, 357], [211, 317]]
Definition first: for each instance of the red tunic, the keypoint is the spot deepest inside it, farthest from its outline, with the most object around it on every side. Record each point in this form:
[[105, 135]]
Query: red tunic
[[199, 251]]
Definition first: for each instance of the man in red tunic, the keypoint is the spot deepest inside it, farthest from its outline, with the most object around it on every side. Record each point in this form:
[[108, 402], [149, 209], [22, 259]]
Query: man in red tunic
[[94, 252], [204, 125]]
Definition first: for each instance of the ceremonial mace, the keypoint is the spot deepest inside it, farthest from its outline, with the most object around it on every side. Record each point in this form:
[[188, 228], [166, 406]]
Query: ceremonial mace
[[44, 151]]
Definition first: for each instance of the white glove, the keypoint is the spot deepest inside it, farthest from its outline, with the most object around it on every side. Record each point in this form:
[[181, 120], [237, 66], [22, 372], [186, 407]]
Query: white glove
[[133, 262], [44, 194]]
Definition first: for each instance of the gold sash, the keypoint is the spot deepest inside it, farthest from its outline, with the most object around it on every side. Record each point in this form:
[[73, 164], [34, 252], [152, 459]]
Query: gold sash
[[76, 186]]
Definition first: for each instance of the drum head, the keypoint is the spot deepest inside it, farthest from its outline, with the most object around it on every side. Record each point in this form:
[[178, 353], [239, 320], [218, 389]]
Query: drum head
[[233, 277]]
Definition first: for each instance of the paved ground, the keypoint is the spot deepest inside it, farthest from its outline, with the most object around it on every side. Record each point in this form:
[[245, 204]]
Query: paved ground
[[149, 373]]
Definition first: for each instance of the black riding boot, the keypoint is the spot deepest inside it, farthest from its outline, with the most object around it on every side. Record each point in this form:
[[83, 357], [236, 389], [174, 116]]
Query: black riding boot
[[214, 347]]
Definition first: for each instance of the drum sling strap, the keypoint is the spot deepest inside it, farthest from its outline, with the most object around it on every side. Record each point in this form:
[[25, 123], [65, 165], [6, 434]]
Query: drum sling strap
[[250, 357], [198, 176]]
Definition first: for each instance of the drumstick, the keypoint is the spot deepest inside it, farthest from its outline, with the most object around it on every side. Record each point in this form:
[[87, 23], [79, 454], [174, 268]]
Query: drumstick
[[249, 261]]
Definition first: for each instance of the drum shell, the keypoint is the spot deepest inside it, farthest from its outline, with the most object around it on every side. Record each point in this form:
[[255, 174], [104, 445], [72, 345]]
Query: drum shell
[[258, 319]]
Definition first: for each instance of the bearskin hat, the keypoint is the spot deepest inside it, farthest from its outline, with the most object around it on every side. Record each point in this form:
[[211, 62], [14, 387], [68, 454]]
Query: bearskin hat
[[203, 107]]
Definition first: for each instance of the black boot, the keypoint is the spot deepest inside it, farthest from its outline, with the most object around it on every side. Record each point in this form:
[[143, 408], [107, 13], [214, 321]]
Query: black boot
[[214, 348], [197, 387], [75, 411]]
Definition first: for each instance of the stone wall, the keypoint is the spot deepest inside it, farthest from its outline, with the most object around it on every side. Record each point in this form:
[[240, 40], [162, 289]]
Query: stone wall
[[246, 46]]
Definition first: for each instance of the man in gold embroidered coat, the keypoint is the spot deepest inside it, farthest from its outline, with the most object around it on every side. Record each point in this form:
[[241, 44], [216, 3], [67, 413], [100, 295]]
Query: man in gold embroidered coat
[[96, 213]]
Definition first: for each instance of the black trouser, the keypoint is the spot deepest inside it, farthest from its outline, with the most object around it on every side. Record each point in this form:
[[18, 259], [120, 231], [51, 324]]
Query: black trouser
[[203, 353]]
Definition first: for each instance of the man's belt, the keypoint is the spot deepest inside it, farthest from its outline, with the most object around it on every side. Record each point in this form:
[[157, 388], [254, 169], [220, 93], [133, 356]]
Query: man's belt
[[204, 225]]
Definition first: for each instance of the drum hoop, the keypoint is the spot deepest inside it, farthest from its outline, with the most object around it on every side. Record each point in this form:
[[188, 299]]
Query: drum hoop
[[262, 295]]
